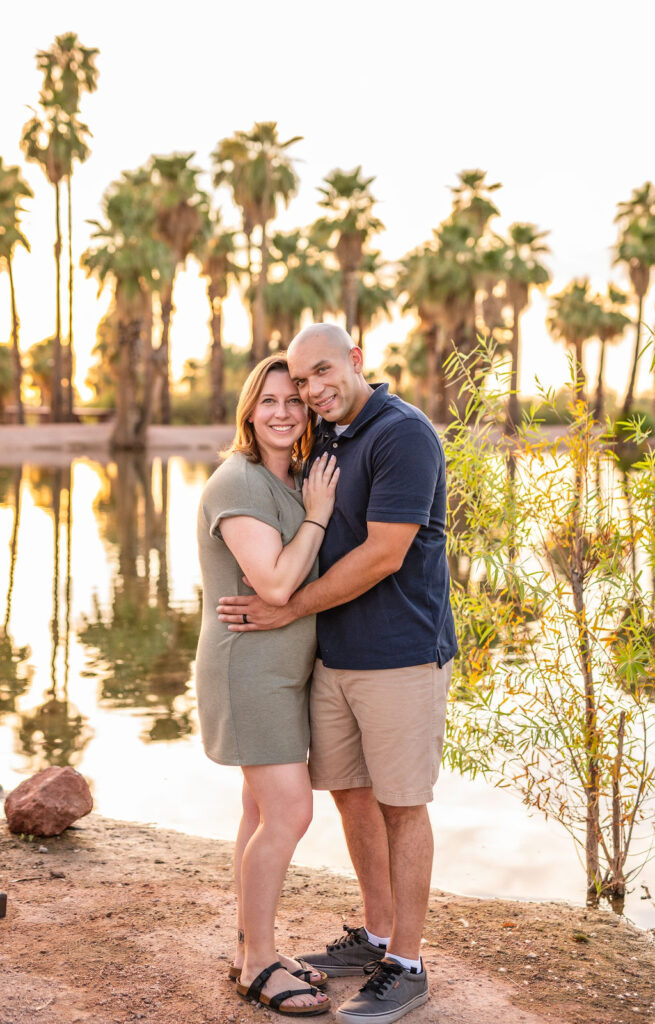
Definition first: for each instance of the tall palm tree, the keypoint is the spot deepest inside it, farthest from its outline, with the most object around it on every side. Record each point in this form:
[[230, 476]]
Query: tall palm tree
[[522, 270], [69, 71], [636, 248], [574, 317], [472, 200], [39, 369], [611, 327], [301, 282], [216, 255], [348, 226], [182, 220], [129, 254], [256, 167], [374, 294], [54, 140], [12, 189]]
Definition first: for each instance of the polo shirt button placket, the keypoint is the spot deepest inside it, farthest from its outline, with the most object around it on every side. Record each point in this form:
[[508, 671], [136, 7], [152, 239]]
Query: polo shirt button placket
[[335, 444]]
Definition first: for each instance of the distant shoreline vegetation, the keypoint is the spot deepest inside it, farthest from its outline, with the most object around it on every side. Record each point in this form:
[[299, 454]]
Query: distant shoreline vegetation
[[465, 281]]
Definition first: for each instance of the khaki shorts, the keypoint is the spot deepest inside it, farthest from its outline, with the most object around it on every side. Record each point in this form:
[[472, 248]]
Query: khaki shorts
[[382, 728]]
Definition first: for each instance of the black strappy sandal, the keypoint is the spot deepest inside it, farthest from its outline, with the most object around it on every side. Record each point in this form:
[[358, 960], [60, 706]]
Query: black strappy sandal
[[254, 992], [304, 973]]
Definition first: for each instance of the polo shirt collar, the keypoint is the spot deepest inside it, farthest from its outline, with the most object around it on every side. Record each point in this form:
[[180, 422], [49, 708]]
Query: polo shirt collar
[[369, 411]]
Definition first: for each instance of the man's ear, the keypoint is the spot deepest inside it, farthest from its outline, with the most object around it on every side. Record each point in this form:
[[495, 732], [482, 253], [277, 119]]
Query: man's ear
[[356, 357]]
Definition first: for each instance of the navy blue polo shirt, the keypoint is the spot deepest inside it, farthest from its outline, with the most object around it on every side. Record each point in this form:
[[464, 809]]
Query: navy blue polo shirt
[[393, 470]]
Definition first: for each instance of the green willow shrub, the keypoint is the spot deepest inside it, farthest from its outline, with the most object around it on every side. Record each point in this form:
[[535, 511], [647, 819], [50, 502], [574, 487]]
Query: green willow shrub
[[553, 558]]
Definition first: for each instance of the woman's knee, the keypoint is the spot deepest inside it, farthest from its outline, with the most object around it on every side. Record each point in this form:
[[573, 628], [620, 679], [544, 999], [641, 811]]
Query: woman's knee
[[292, 817]]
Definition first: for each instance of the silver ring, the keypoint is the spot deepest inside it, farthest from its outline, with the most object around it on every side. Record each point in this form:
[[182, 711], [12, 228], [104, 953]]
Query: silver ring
[[245, 619]]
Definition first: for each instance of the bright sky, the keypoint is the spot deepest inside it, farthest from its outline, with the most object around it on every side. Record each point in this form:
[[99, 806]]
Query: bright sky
[[554, 101]]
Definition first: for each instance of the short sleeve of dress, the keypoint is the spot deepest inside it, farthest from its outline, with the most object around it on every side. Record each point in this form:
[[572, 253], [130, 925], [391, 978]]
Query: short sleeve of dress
[[239, 488]]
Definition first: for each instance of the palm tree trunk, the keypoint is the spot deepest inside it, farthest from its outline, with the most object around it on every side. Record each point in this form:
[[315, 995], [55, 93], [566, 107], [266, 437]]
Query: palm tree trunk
[[513, 413], [350, 298], [259, 341], [580, 379], [127, 414], [55, 398], [599, 404], [629, 395], [163, 352], [217, 364], [18, 369], [149, 375], [68, 365]]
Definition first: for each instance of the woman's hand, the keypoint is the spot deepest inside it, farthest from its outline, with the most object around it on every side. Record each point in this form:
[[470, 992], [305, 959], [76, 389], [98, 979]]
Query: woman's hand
[[319, 488]]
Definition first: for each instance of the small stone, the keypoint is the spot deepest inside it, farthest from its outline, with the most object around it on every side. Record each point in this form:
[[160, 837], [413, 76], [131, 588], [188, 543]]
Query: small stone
[[3, 904], [48, 803], [43, 849]]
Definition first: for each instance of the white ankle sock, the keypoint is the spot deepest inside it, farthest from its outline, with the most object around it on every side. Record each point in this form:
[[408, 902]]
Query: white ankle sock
[[404, 962], [375, 940]]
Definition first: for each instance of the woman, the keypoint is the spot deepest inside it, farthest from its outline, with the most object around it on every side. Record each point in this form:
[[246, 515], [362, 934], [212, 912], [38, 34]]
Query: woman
[[255, 534]]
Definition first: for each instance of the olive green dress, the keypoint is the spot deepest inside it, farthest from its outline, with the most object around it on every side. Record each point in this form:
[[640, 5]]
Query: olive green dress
[[252, 687]]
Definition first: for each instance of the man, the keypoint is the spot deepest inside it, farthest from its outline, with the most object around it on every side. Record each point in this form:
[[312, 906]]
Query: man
[[386, 641]]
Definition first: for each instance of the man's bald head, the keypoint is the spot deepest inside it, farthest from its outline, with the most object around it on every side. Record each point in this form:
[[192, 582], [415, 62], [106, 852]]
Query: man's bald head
[[327, 367], [331, 334]]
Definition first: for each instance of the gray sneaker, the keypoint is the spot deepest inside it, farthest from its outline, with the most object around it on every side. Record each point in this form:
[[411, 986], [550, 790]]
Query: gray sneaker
[[346, 956], [388, 994]]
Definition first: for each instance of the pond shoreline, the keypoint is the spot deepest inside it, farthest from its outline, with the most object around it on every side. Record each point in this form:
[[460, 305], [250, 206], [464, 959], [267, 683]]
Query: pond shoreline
[[116, 921]]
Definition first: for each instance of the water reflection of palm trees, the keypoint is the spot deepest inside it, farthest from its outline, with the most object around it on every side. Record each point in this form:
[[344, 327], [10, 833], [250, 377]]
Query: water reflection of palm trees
[[14, 673], [54, 732], [142, 647]]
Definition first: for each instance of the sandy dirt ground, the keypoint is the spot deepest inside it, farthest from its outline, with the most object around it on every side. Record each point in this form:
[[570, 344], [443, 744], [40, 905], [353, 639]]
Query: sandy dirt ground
[[116, 922]]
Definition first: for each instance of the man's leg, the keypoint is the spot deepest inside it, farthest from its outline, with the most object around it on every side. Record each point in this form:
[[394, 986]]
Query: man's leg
[[366, 836], [411, 849]]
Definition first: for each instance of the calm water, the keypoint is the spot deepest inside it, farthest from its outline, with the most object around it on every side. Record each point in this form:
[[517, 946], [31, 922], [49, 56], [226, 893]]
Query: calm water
[[99, 617]]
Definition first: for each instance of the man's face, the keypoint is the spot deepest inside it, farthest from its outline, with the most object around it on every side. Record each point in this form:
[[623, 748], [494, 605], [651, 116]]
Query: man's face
[[328, 378]]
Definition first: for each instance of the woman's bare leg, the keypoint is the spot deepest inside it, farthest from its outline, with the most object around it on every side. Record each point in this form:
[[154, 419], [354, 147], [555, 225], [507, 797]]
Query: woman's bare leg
[[247, 826], [283, 796]]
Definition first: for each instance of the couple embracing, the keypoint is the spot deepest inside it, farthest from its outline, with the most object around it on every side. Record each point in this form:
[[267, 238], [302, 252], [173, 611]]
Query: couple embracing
[[326, 522]]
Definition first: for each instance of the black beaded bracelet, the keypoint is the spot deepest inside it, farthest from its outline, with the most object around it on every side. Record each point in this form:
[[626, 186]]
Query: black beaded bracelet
[[315, 523]]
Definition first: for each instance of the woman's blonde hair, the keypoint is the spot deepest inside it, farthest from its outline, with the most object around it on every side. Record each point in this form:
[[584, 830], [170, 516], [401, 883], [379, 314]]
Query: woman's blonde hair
[[244, 439]]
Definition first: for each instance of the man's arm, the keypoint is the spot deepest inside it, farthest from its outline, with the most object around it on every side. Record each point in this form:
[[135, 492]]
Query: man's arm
[[381, 554]]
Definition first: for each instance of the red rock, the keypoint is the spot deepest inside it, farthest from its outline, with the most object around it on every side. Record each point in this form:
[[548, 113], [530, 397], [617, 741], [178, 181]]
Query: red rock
[[48, 803]]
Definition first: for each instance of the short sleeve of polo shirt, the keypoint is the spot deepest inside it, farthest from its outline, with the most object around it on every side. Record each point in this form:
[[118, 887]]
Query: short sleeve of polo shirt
[[239, 489], [408, 463]]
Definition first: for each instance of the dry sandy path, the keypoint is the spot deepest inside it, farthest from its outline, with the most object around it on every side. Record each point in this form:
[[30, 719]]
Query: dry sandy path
[[119, 922]]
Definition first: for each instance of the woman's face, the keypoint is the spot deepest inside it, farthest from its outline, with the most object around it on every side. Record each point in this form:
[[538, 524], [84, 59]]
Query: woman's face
[[279, 418]]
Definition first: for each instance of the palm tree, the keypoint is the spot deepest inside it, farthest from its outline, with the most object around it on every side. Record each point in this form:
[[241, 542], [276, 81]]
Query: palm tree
[[12, 189], [216, 255], [574, 317], [54, 140], [301, 282], [636, 248], [522, 270], [182, 220], [374, 296], [257, 169], [395, 364], [441, 280], [69, 71], [129, 254], [611, 327], [40, 363], [348, 226]]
